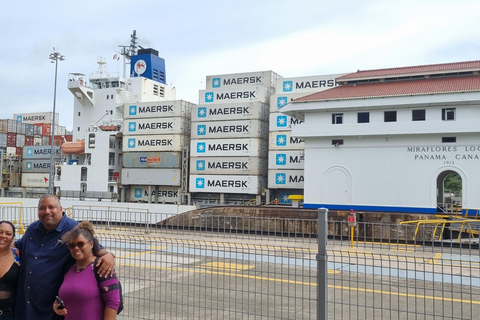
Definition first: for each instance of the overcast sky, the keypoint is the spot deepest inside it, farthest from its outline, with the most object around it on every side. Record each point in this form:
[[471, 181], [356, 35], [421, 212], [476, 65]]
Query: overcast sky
[[200, 38]]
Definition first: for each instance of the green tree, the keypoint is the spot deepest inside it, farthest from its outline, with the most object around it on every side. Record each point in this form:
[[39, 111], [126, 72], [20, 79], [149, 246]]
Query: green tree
[[453, 183]]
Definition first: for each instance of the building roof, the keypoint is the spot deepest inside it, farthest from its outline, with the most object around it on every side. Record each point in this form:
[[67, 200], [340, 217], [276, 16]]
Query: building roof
[[397, 88], [414, 70]]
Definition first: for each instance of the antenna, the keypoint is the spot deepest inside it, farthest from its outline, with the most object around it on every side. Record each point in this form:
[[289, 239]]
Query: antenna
[[128, 51]]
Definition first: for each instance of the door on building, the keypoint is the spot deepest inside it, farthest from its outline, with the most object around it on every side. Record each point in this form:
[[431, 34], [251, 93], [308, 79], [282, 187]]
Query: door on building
[[449, 191]]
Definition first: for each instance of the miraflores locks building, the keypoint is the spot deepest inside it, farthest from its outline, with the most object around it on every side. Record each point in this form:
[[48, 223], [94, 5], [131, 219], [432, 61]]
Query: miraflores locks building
[[384, 140]]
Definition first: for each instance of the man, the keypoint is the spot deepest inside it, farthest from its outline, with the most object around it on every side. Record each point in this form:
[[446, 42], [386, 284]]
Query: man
[[44, 260]]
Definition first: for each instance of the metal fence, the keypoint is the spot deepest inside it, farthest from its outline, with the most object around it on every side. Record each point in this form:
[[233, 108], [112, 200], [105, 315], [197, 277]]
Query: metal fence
[[195, 266]]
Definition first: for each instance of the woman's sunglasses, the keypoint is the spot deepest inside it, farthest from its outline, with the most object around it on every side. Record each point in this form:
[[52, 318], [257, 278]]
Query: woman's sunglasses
[[79, 244]]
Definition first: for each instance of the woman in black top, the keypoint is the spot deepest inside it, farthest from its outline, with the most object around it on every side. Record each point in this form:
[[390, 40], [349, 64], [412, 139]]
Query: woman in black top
[[9, 266]]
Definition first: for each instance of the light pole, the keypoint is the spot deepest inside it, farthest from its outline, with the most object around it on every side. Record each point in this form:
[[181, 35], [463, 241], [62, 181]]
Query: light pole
[[55, 56]]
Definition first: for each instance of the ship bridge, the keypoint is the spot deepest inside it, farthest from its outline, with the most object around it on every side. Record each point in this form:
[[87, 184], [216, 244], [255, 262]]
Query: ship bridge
[[78, 86]]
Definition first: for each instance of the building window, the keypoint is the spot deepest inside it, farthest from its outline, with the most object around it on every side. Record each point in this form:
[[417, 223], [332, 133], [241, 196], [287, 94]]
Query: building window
[[418, 115], [449, 139], [79, 113], [363, 117], [448, 114], [337, 118], [337, 142], [390, 116], [78, 128]]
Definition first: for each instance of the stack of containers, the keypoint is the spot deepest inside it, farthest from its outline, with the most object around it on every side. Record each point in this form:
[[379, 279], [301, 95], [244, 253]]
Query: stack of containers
[[36, 165], [3, 136], [230, 134], [11, 126], [286, 152], [42, 124], [155, 135]]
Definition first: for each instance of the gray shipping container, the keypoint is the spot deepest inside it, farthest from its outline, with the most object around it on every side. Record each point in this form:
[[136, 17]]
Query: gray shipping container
[[266, 78], [177, 125], [166, 142], [20, 127], [234, 95], [11, 126], [20, 140], [3, 140], [35, 166], [230, 129], [157, 109], [253, 147], [152, 159], [29, 129], [228, 165], [227, 184], [40, 152], [285, 179], [150, 176], [234, 111]]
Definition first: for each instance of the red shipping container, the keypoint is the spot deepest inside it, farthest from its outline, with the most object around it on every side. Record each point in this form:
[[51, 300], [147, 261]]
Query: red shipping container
[[19, 151], [29, 141], [11, 139], [45, 127]]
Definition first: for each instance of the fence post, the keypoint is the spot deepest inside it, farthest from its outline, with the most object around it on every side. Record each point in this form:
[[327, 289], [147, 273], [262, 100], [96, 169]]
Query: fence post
[[322, 290]]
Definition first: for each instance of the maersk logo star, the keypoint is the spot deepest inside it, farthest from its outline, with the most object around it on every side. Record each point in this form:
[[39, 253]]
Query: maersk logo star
[[287, 86], [280, 159], [29, 152], [200, 183], [208, 96], [138, 192], [201, 129], [132, 110], [29, 166], [202, 112], [132, 142], [201, 147], [201, 165], [132, 126], [216, 82], [281, 121], [280, 178], [281, 140], [284, 198], [19, 118], [281, 102]]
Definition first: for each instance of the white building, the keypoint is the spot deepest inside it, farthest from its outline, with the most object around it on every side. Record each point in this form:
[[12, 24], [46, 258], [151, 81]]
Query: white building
[[384, 140]]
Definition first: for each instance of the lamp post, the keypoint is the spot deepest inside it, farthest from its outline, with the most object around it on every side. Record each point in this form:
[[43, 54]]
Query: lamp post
[[55, 56]]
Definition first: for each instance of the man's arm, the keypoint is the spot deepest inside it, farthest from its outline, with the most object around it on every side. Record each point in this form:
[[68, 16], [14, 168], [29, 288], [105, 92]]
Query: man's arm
[[105, 263]]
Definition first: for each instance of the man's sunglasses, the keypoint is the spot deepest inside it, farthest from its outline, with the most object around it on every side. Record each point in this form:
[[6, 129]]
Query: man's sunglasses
[[79, 244]]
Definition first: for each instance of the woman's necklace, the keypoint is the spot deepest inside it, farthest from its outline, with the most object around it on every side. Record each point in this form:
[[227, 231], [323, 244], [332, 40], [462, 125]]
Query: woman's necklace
[[83, 267]]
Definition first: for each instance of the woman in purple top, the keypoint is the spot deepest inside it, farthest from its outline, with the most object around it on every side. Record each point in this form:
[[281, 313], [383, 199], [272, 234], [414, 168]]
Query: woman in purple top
[[80, 290]]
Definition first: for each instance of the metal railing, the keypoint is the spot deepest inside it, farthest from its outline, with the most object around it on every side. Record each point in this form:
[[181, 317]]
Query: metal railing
[[195, 266]]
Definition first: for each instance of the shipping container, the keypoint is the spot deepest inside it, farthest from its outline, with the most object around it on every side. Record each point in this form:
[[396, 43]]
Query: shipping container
[[37, 117], [283, 194], [11, 139], [3, 151], [11, 151], [234, 111], [20, 140], [227, 184], [150, 176], [43, 129], [35, 166], [266, 78], [37, 141], [178, 125], [11, 126], [157, 109], [283, 140], [3, 140], [60, 130], [40, 152], [232, 95], [20, 128], [277, 101], [228, 165], [3, 126], [229, 148], [46, 140], [230, 129], [286, 159], [280, 122], [169, 142], [307, 84], [285, 179], [29, 141], [19, 151], [163, 194], [152, 160], [29, 129], [35, 180]]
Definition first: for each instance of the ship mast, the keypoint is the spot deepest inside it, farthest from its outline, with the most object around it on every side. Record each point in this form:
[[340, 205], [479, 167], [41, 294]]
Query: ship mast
[[128, 51]]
